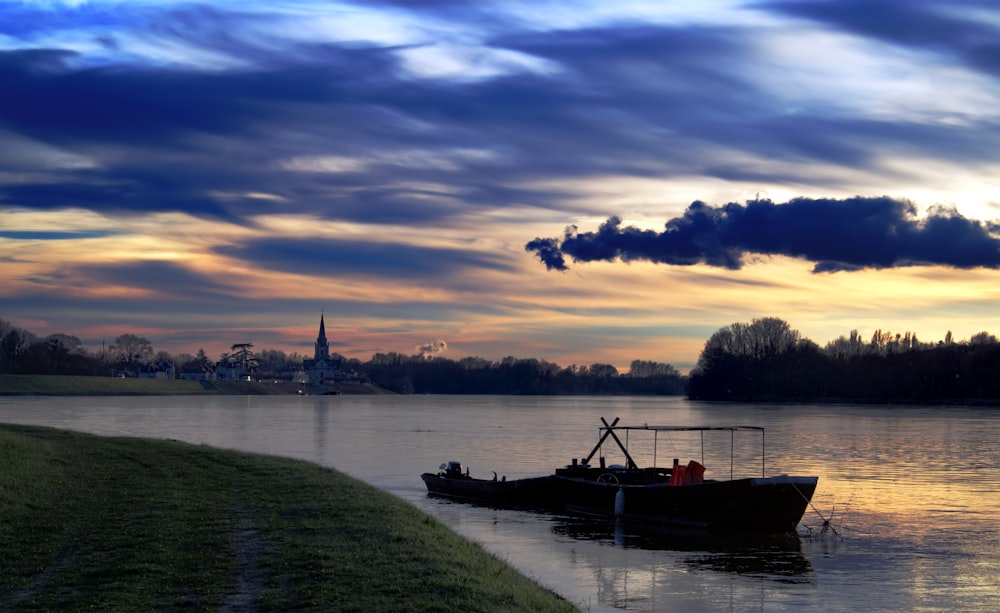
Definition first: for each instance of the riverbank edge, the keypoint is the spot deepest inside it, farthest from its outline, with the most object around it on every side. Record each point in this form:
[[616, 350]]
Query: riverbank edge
[[120, 523], [70, 385]]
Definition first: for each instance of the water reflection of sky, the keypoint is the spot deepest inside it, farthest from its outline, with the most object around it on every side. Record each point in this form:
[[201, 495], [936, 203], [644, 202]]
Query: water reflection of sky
[[913, 491]]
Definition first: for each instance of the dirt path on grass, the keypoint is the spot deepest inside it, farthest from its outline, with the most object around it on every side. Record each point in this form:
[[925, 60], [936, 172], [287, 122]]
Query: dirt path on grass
[[250, 577]]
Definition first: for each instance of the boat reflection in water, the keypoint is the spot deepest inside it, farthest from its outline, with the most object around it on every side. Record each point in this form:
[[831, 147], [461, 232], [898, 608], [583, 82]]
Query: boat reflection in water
[[777, 557]]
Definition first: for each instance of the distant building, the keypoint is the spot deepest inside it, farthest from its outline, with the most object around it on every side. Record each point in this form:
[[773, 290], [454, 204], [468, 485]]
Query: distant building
[[156, 370], [322, 368], [230, 371], [198, 372]]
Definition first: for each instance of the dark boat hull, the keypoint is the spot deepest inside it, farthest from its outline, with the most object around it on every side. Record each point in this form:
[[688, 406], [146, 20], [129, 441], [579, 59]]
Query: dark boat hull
[[676, 498], [533, 492], [764, 505]]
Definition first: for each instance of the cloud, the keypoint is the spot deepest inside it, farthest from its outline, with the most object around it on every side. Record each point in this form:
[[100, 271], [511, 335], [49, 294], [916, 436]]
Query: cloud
[[359, 258], [837, 235], [164, 280], [54, 235], [960, 28], [337, 128], [377, 158]]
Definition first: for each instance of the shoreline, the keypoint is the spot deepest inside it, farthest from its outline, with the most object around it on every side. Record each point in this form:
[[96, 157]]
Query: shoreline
[[72, 385]]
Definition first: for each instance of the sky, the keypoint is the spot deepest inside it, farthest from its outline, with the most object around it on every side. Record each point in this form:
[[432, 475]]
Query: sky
[[576, 181]]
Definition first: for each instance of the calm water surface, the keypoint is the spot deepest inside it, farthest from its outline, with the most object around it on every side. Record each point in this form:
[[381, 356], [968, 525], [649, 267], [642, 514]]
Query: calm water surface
[[915, 492]]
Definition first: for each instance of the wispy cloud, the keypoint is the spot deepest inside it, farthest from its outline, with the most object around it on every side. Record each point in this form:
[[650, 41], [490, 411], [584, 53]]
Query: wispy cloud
[[360, 258], [444, 135], [51, 235], [966, 31]]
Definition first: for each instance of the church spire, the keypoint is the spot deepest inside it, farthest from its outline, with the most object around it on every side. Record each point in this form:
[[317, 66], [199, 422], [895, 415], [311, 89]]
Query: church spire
[[322, 346]]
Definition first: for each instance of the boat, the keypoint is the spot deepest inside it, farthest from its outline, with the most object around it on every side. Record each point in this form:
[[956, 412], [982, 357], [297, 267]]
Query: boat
[[680, 496], [676, 497], [454, 482]]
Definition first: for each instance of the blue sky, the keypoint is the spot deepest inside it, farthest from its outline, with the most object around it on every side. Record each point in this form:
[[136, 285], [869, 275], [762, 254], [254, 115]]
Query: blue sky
[[574, 181]]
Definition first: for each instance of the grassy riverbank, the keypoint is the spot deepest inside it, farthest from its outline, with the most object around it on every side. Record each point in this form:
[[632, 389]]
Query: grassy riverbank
[[134, 524], [65, 385]]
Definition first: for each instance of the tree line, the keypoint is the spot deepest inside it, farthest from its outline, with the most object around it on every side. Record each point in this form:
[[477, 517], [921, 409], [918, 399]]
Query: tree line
[[519, 376], [22, 352], [768, 360], [764, 360]]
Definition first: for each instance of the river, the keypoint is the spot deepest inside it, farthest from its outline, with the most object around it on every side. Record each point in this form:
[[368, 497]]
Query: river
[[912, 492]]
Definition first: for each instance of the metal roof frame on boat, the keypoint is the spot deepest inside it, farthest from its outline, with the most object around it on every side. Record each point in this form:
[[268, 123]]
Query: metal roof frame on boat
[[609, 430], [681, 428]]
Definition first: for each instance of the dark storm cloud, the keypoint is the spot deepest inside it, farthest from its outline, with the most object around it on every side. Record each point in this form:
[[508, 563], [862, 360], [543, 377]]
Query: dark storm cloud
[[936, 26], [837, 235], [362, 258]]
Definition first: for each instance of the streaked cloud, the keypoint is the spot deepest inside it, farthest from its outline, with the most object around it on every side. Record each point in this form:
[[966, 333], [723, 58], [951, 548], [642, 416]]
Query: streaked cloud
[[360, 258], [387, 162]]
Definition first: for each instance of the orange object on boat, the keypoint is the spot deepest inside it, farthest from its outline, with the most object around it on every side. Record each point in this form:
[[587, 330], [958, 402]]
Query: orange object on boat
[[694, 474], [677, 476]]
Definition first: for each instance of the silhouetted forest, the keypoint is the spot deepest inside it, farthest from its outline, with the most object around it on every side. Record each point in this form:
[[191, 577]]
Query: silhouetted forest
[[764, 360], [22, 352], [418, 375], [768, 360]]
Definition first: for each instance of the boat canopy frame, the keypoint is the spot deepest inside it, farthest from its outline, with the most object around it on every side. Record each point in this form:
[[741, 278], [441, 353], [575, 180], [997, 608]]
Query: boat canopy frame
[[608, 430]]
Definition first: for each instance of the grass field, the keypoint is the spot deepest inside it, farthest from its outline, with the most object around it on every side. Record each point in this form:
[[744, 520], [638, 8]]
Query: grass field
[[136, 525]]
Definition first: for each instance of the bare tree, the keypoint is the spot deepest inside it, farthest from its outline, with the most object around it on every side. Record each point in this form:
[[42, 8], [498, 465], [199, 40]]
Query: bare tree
[[65, 342], [762, 338], [130, 350], [982, 338], [603, 370], [844, 347], [646, 368]]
